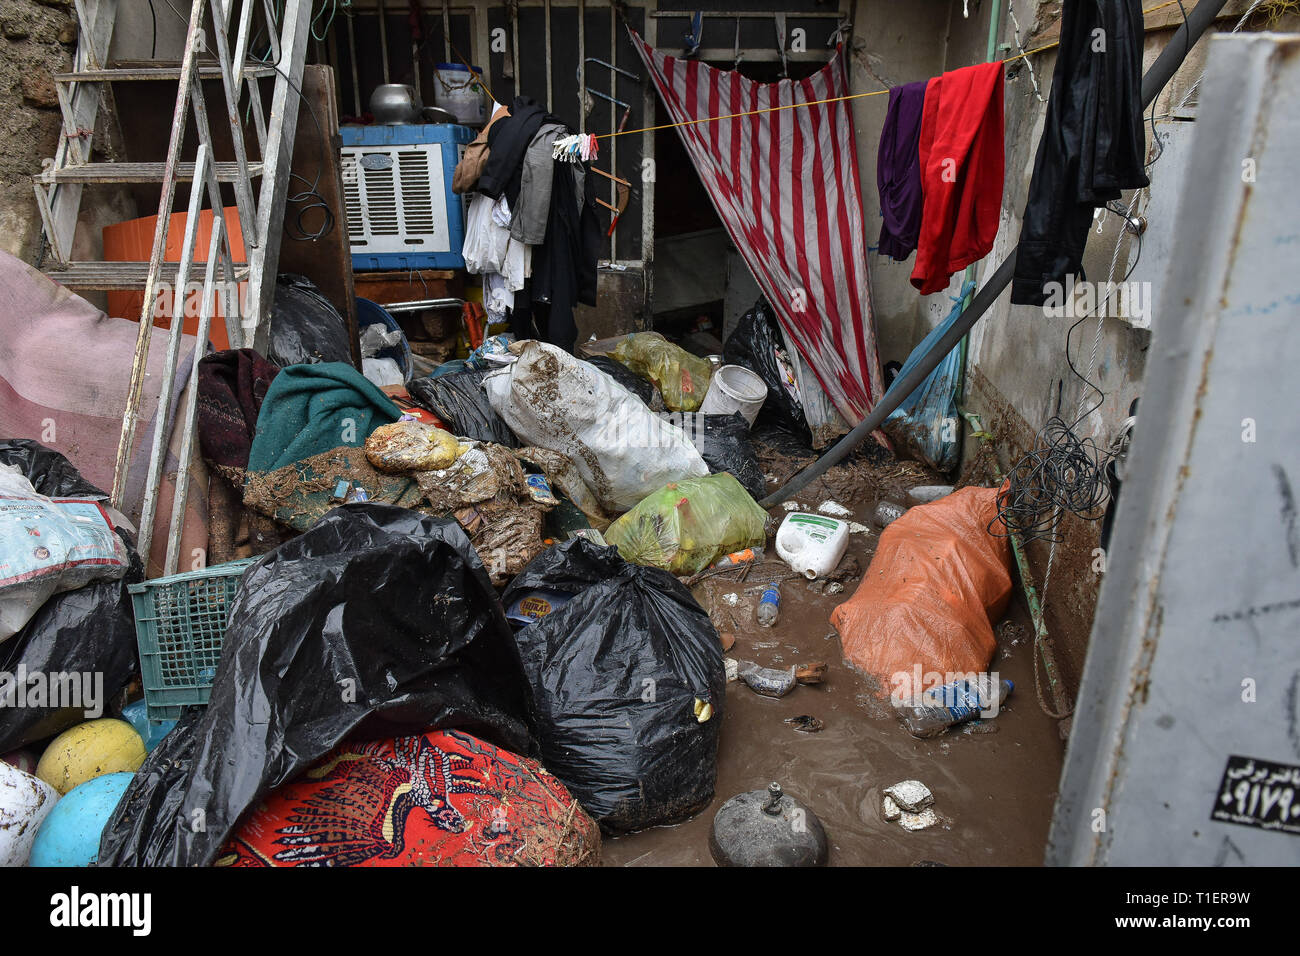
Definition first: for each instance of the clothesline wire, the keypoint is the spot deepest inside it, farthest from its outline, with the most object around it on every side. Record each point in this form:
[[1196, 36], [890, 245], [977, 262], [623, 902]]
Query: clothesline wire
[[833, 99]]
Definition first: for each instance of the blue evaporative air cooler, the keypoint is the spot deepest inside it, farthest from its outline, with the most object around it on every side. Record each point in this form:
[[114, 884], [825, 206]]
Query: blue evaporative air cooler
[[401, 211]]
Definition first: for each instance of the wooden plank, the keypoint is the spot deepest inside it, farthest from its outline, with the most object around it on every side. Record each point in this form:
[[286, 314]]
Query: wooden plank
[[95, 28], [326, 261], [263, 249], [410, 286]]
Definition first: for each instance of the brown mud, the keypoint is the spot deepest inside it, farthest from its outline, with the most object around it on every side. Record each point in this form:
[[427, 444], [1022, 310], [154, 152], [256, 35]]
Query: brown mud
[[994, 788]]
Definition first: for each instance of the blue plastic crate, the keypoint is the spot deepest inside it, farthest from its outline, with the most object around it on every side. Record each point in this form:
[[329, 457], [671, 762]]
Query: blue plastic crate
[[180, 627]]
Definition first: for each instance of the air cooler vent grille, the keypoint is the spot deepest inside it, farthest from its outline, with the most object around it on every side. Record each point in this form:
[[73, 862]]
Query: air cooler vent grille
[[397, 200]]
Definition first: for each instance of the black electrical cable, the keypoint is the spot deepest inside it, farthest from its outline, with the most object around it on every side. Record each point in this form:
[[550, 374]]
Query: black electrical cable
[[303, 200], [1170, 59], [1063, 473]]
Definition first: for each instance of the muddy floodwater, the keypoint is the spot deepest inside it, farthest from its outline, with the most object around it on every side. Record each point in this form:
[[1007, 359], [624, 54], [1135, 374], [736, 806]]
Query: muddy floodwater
[[994, 784]]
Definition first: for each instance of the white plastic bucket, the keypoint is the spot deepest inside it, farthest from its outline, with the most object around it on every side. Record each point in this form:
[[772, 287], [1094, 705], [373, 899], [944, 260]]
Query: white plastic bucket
[[734, 388], [460, 93]]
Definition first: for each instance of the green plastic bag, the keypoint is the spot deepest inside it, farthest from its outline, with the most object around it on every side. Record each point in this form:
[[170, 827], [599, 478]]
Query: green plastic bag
[[687, 525], [682, 378]]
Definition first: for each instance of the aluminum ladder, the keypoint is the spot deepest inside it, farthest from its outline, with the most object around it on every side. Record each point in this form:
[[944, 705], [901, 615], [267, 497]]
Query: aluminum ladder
[[260, 209]]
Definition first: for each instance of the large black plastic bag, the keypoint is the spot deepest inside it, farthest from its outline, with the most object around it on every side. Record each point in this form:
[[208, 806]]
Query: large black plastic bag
[[375, 603], [752, 345], [723, 442], [87, 631], [459, 400], [305, 326], [615, 674], [639, 386]]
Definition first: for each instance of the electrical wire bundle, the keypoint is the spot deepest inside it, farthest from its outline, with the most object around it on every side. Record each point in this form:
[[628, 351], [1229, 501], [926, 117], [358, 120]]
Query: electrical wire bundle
[[1064, 473]]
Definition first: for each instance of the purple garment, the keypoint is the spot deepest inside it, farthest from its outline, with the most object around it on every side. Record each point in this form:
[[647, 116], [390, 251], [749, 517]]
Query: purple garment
[[898, 171]]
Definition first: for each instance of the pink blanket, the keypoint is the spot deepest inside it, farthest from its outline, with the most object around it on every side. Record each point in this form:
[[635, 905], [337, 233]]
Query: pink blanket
[[65, 368]]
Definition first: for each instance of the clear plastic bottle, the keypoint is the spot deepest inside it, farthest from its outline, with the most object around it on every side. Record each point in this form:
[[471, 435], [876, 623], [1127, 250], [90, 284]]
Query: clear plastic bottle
[[951, 704], [769, 606]]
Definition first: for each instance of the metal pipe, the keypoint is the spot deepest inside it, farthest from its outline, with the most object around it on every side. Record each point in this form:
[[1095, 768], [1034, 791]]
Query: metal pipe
[[1036, 613], [419, 305], [995, 14], [352, 57], [550, 85], [1165, 66], [383, 41]]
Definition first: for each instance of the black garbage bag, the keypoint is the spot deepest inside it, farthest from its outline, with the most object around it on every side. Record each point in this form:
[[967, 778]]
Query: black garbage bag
[[377, 622], [459, 400], [87, 631], [638, 385], [305, 326], [616, 673], [723, 442], [753, 345]]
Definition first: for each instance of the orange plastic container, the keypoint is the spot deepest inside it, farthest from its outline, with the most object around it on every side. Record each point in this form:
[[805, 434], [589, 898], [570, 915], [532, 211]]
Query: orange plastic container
[[132, 241]]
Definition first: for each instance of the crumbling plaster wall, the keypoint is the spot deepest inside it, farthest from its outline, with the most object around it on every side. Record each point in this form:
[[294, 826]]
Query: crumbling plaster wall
[[36, 40], [1017, 373]]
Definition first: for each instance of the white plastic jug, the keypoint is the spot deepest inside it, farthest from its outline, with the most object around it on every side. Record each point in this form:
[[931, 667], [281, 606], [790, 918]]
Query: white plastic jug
[[812, 544]]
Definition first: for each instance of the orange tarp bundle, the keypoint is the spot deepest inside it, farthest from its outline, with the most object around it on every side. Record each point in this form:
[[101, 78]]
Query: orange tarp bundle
[[936, 583]]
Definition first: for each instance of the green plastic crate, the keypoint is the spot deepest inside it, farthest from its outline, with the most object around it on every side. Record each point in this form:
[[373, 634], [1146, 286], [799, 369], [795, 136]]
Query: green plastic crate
[[180, 625]]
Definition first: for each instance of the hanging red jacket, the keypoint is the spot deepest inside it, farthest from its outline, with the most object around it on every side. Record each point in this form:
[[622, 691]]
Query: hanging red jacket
[[961, 155]]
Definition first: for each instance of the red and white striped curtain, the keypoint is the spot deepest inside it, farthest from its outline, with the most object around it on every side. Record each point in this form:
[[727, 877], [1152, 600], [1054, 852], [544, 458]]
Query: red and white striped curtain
[[785, 184]]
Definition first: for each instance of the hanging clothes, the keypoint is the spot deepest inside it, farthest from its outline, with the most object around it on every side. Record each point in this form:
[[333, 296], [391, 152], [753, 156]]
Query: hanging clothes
[[898, 171], [508, 140], [488, 245], [533, 209], [961, 156], [564, 265], [1092, 145]]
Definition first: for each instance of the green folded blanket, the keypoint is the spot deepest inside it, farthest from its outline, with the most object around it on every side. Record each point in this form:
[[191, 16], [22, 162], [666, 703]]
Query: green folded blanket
[[312, 409]]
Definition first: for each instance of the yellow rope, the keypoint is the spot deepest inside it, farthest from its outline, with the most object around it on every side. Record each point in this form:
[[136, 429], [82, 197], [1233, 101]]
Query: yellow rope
[[833, 99]]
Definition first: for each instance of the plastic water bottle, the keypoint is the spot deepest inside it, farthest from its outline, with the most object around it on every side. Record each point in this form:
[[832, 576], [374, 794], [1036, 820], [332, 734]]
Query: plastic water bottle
[[769, 606], [951, 704], [736, 558]]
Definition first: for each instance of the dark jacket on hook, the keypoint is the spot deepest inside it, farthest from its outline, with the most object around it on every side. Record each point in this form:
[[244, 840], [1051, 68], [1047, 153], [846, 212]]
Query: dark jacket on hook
[[564, 265], [508, 140], [1092, 146]]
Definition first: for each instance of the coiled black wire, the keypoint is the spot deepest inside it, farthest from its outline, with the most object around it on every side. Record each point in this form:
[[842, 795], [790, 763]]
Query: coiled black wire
[[1064, 473]]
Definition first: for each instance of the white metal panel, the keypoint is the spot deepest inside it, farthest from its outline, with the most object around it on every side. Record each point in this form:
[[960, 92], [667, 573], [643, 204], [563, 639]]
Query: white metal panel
[[396, 200], [1190, 701]]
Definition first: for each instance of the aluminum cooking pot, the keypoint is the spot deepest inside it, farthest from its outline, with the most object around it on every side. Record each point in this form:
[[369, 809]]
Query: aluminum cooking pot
[[394, 103]]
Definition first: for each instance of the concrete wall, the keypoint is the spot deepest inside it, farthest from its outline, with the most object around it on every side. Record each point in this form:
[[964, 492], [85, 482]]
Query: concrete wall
[[1017, 373]]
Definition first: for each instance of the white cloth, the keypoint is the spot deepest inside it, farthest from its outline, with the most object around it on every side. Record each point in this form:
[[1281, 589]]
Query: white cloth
[[489, 246]]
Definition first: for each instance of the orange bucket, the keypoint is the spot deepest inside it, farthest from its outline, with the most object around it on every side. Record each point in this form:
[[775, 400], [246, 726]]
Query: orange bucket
[[132, 241]]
